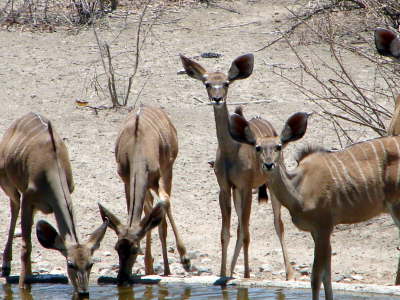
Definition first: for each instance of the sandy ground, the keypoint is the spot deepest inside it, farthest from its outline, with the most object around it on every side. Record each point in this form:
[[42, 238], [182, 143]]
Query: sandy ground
[[47, 72]]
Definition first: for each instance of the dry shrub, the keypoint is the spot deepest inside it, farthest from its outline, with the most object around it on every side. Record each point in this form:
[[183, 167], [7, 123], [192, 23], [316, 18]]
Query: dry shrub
[[354, 105]]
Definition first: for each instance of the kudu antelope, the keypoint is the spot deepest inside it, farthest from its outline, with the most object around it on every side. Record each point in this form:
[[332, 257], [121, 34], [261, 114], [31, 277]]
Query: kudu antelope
[[388, 44], [145, 151], [35, 173], [328, 188], [236, 165]]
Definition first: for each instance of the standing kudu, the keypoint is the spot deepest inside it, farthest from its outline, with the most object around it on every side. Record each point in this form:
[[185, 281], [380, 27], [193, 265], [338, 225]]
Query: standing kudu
[[236, 165], [388, 44], [146, 149], [328, 188], [35, 173]]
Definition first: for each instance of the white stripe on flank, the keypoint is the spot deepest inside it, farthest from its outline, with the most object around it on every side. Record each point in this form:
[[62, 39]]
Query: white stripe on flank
[[398, 165], [364, 179], [378, 166], [28, 138], [258, 129], [155, 127], [334, 180], [342, 183], [348, 179], [376, 196]]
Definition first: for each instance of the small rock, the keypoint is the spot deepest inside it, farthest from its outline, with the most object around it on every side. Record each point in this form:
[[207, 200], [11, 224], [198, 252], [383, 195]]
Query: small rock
[[357, 277], [205, 261], [171, 249], [265, 268], [194, 254]]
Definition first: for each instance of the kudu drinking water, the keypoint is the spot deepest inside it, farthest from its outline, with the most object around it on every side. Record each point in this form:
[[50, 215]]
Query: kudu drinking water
[[236, 165], [145, 150], [35, 173]]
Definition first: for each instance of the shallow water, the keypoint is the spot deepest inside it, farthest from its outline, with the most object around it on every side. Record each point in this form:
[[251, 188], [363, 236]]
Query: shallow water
[[169, 292]]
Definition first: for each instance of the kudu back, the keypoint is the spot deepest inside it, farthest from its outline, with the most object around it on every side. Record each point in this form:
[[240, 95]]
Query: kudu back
[[145, 151], [35, 173]]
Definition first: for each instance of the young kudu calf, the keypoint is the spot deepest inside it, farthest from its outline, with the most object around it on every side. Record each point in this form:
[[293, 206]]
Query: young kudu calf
[[328, 188], [35, 173], [236, 165], [146, 149], [388, 44]]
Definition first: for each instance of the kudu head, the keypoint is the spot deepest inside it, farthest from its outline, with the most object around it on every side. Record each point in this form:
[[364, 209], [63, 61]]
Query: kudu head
[[129, 237], [79, 256], [217, 83], [387, 43], [269, 149]]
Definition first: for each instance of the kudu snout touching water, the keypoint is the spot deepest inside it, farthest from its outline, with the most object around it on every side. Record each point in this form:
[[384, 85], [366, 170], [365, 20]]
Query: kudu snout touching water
[[145, 151], [35, 173], [328, 188], [236, 165], [388, 44]]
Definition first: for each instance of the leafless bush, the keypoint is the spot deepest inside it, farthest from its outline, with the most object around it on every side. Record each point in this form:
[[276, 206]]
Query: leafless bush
[[119, 84], [342, 96], [52, 12]]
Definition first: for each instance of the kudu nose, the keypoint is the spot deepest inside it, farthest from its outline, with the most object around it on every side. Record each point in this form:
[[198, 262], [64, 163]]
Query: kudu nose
[[268, 166], [83, 295], [217, 99]]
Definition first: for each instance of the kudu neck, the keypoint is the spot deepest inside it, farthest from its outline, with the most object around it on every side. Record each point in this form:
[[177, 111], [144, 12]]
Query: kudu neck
[[284, 185], [225, 142]]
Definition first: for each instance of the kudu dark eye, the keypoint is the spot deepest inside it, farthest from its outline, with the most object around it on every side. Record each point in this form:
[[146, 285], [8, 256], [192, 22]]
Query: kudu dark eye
[[278, 147], [258, 148], [208, 85], [226, 84], [70, 265]]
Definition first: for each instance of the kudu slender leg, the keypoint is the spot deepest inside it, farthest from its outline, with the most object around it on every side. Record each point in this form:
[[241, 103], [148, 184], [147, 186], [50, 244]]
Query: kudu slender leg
[[166, 183], [226, 208], [162, 231], [321, 271], [148, 258], [242, 201], [7, 254], [280, 231], [26, 248], [395, 213]]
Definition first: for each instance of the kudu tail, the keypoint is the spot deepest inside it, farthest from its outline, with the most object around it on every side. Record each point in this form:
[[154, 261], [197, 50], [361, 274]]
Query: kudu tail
[[62, 178], [262, 194], [138, 173]]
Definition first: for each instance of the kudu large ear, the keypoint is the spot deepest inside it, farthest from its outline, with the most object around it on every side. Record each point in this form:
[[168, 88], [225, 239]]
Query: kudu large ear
[[241, 67], [97, 236], [153, 219], [112, 221], [295, 127], [239, 128], [49, 238], [193, 69], [387, 42]]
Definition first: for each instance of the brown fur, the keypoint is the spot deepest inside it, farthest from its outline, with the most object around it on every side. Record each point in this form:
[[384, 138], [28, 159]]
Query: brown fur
[[35, 173], [236, 165], [331, 188], [145, 151]]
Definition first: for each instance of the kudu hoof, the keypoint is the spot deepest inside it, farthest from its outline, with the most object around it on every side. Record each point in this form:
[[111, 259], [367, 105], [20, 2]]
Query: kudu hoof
[[5, 271], [186, 264]]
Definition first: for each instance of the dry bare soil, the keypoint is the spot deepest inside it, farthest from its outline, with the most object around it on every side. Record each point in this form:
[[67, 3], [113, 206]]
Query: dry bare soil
[[47, 72]]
